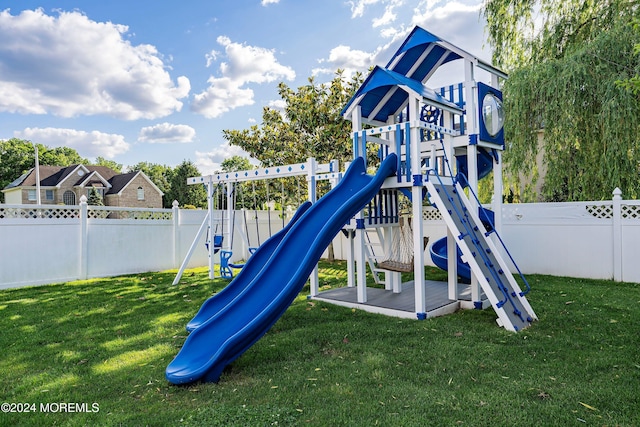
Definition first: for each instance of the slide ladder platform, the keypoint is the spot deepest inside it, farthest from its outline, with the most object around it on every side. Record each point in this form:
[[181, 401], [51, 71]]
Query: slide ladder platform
[[478, 250]]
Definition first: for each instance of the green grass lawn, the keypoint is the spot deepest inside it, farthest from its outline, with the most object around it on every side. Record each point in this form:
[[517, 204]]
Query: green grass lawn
[[107, 342]]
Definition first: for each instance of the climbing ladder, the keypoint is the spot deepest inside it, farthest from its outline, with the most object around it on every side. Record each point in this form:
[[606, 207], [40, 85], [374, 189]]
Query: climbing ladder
[[373, 253], [478, 250]]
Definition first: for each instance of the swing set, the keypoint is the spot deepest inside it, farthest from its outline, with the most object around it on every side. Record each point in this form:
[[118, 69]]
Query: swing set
[[226, 265], [222, 194]]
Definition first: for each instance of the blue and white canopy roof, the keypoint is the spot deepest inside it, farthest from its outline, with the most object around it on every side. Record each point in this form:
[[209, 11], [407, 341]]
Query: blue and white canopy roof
[[386, 91]]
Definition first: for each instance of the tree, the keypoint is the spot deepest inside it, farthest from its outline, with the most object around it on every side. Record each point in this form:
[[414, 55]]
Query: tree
[[236, 163], [101, 161], [633, 83], [160, 175], [18, 156], [95, 199], [60, 156], [309, 126], [185, 194], [564, 82]]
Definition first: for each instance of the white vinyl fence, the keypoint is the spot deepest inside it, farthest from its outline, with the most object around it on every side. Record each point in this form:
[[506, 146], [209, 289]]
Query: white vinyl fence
[[599, 240], [53, 243], [50, 244], [582, 239]]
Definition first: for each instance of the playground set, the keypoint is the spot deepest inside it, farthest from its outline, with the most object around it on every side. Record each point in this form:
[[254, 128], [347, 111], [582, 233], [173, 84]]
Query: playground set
[[433, 145]]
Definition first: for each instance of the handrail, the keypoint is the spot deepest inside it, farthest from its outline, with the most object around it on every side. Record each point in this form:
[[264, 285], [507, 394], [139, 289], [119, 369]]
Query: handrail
[[456, 179], [488, 219], [471, 232]]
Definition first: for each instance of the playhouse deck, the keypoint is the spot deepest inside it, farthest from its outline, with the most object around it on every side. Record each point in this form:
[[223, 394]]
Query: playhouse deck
[[402, 304]]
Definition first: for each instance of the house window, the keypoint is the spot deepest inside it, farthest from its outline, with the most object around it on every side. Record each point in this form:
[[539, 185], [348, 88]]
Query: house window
[[48, 195], [69, 197], [140, 193], [31, 195]]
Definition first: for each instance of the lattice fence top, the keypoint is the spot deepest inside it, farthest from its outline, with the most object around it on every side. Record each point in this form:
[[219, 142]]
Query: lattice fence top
[[606, 211], [630, 211], [46, 212], [137, 214], [600, 211], [69, 212], [431, 214]]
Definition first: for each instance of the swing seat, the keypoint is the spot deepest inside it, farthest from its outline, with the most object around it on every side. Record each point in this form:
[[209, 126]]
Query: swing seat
[[225, 265], [232, 265], [217, 243], [401, 257], [401, 267], [251, 252]]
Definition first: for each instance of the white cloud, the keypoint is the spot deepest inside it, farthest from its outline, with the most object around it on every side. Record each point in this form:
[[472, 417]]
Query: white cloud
[[389, 15], [244, 65], [385, 19], [268, 2], [87, 144], [358, 7], [163, 133], [277, 104], [457, 21], [440, 9], [348, 59], [210, 162], [69, 65]]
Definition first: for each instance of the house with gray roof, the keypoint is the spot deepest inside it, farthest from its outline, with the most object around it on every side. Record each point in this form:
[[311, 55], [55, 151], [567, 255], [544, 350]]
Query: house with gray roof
[[66, 184]]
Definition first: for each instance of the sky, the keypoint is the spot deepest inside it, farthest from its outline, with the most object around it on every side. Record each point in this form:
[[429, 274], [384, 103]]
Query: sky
[[158, 81]]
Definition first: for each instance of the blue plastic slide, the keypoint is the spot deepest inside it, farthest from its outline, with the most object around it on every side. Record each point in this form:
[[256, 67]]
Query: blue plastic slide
[[251, 268], [439, 257], [229, 333], [438, 250]]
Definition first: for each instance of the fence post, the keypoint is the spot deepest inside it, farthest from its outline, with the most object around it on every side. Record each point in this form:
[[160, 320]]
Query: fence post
[[84, 247], [176, 232], [617, 235]]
